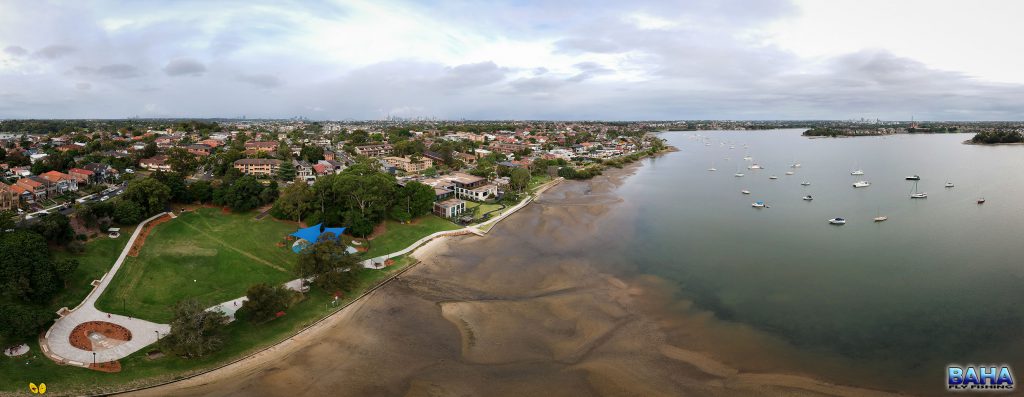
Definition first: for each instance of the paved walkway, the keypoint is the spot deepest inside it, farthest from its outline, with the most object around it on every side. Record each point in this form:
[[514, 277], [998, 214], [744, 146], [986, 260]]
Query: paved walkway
[[57, 346]]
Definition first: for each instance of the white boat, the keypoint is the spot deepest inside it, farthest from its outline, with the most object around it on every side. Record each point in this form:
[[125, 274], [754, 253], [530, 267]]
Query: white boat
[[712, 167], [794, 165], [981, 200], [738, 174], [879, 217], [808, 198], [861, 184], [789, 172], [949, 184], [837, 221], [755, 166], [914, 194], [748, 158], [732, 147], [773, 177], [914, 177], [745, 191], [805, 183], [857, 172], [758, 204]]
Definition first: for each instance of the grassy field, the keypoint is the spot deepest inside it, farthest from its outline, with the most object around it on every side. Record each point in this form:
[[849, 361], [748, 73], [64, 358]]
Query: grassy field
[[242, 338], [397, 236], [97, 259], [203, 254]]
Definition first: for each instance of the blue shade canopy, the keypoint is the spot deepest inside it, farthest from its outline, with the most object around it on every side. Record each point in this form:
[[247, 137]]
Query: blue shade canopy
[[313, 233]]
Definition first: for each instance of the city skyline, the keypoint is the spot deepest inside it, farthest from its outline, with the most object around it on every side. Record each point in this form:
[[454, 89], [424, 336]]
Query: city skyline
[[511, 60]]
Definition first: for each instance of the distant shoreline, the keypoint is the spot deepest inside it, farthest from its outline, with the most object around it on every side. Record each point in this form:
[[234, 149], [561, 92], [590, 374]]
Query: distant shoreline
[[970, 142]]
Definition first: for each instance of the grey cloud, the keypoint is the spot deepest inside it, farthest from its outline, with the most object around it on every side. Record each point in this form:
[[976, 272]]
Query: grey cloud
[[119, 71], [578, 45], [260, 80], [54, 51], [83, 86], [184, 67], [15, 51], [471, 75]]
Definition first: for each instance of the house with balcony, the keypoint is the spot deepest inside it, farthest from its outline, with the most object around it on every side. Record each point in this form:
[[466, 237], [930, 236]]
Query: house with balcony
[[61, 183], [258, 167]]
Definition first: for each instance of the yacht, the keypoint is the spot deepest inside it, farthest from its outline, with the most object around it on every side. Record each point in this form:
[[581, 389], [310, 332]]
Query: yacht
[[745, 191], [949, 184], [857, 172], [914, 194], [981, 200], [837, 221], [879, 217], [789, 172], [755, 166], [805, 183], [712, 167], [773, 177], [914, 177], [758, 204], [794, 165], [747, 157], [808, 198], [861, 184], [738, 174]]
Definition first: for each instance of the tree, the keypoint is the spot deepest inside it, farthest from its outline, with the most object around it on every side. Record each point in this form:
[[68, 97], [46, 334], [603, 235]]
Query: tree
[[149, 193], [7, 220], [176, 182], [27, 271], [195, 332], [182, 161], [244, 194], [55, 228], [413, 199], [295, 202], [20, 321], [286, 172], [519, 180], [331, 266], [311, 154], [201, 191], [264, 301], [128, 212]]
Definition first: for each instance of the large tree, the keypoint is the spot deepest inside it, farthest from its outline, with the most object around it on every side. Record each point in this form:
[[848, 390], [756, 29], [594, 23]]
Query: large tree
[[149, 193], [128, 212], [332, 268], [265, 301], [195, 332], [295, 202], [412, 200], [56, 228], [519, 180]]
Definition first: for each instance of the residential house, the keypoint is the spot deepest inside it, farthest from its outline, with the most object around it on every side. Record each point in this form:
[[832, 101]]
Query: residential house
[[303, 171], [61, 182], [101, 172], [200, 149], [449, 208], [258, 167], [375, 150], [408, 164], [471, 187], [260, 146], [156, 163], [82, 176], [9, 198], [36, 188]]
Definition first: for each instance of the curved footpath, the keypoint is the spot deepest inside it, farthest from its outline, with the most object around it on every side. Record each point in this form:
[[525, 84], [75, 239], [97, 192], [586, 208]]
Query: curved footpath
[[56, 342]]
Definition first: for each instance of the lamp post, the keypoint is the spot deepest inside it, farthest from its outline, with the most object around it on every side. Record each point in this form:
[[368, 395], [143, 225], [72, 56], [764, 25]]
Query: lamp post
[[93, 358], [157, 335]]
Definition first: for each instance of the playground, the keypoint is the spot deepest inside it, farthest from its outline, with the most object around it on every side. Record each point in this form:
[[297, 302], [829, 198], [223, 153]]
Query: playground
[[204, 254]]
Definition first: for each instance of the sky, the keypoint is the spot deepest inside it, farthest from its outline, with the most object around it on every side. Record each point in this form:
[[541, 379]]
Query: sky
[[513, 59]]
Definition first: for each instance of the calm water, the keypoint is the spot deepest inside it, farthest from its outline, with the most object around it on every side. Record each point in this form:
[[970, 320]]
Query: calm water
[[939, 282]]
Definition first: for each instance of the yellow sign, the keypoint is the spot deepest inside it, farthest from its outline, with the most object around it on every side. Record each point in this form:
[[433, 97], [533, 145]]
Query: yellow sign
[[41, 389]]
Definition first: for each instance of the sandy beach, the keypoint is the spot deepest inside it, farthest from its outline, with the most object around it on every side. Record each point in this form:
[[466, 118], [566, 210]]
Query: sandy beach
[[521, 311]]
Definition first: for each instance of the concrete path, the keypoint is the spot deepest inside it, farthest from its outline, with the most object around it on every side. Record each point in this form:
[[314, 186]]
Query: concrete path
[[56, 343]]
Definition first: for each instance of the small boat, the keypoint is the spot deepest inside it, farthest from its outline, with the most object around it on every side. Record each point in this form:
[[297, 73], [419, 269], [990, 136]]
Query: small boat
[[712, 169], [773, 177], [837, 221], [758, 204], [981, 200], [805, 183], [857, 172], [914, 194], [745, 191], [755, 166], [861, 184], [738, 174], [808, 198], [789, 172], [949, 184], [914, 177], [794, 165], [732, 147], [879, 217], [748, 158]]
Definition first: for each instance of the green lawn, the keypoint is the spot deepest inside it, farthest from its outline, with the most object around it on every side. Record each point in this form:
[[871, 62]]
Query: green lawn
[[398, 236], [97, 259], [242, 338], [223, 253]]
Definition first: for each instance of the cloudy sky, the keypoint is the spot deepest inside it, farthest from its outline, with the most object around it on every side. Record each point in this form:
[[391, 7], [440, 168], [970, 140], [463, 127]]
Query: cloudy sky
[[515, 59]]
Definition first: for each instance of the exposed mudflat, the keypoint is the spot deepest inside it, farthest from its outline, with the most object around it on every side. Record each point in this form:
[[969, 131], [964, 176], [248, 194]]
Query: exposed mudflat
[[527, 310]]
